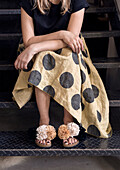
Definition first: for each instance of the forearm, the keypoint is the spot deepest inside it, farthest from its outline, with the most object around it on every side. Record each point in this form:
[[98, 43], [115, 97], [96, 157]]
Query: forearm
[[48, 45], [52, 36]]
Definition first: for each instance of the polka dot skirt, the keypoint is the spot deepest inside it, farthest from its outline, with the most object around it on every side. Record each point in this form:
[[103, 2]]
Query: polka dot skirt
[[70, 79]]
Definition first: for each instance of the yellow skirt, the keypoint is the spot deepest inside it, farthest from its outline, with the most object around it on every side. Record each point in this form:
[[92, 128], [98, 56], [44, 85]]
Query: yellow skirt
[[70, 79]]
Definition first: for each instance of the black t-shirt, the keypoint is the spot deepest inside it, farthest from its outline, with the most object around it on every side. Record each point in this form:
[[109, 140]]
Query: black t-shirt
[[52, 21]]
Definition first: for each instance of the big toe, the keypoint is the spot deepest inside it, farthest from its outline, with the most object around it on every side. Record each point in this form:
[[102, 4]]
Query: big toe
[[43, 141]]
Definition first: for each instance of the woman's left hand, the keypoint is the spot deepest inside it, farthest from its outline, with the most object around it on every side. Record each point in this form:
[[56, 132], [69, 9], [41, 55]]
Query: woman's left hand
[[24, 58]]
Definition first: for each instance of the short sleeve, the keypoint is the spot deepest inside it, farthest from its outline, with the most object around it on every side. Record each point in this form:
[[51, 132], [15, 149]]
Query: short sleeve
[[79, 4], [27, 6]]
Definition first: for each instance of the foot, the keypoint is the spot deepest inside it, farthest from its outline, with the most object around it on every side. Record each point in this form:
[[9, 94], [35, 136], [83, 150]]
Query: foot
[[70, 141], [44, 142]]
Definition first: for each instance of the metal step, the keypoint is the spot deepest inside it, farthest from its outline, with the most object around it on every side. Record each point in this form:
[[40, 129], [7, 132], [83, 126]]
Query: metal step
[[91, 10], [101, 34], [9, 4], [7, 102], [7, 22], [21, 143], [10, 11], [97, 62], [95, 34]]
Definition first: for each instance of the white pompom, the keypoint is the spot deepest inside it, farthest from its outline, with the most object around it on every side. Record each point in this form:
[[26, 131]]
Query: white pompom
[[73, 129], [41, 132]]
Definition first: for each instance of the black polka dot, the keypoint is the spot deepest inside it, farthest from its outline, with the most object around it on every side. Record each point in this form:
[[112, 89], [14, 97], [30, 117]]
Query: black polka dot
[[29, 66], [66, 80], [93, 130], [85, 53], [75, 101], [34, 77], [29, 86], [83, 77], [99, 116], [109, 134], [83, 63], [88, 95], [95, 90], [80, 55], [48, 62], [58, 51], [88, 68], [83, 106], [75, 57], [50, 90]]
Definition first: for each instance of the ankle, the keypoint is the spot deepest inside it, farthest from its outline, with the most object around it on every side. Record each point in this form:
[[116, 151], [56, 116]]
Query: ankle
[[67, 121], [44, 122]]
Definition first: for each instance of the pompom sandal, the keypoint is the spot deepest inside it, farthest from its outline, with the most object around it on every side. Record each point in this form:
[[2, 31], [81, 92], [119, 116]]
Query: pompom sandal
[[68, 131], [47, 132]]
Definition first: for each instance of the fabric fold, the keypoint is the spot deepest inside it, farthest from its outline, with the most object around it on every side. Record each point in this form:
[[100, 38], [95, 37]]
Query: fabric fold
[[72, 80]]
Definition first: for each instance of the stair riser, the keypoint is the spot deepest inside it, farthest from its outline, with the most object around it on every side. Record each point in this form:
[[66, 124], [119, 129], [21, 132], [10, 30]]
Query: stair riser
[[12, 4], [9, 45], [8, 49], [10, 24], [22, 119], [8, 79]]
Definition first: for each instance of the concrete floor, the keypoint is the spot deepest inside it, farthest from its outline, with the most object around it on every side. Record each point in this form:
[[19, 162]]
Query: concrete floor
[[59, 163]]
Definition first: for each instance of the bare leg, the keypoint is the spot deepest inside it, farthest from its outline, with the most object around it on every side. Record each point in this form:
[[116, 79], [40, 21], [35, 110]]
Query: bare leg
[[43, 102], [68, 118]]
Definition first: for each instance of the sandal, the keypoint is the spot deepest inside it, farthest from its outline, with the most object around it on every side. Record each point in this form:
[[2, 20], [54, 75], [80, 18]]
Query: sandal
[[45, 132], [68, 131]]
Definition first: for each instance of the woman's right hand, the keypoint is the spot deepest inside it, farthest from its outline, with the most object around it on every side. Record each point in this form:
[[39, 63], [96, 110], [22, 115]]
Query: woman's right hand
[[23, 58], [73, 41]]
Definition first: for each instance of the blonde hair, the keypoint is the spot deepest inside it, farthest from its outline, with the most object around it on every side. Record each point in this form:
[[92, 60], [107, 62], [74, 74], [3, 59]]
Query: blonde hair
[[43, 5]]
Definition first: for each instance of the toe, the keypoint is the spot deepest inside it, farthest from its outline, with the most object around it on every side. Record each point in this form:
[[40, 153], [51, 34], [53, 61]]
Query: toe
[[70, 140], [41, 141], [65, 141], [47, 141], [44, 141], [73, 141], [38, 141]]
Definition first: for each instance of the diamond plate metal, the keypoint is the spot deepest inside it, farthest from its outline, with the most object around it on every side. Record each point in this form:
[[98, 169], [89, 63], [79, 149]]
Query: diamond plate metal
[[21, 143]]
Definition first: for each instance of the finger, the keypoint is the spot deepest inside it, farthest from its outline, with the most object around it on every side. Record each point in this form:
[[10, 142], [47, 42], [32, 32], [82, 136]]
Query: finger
[[79, 46], [15, 63], [22, 65], [76, 46], [72, 47], [18, 65], [25, 65], [82, 47]]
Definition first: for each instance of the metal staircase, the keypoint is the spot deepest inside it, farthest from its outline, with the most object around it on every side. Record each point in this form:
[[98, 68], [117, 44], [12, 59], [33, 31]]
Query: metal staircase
[[21, 143]]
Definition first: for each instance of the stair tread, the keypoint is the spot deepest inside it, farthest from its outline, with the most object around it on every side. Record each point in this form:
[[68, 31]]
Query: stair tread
[[86, 34], [21, 143], [98, 63], [90, 10]]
